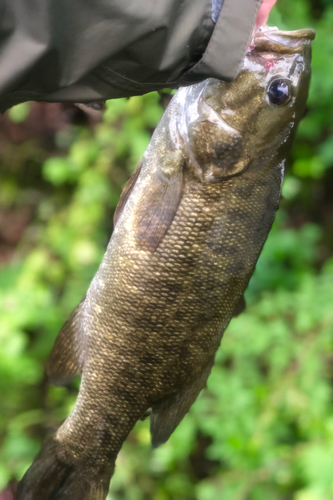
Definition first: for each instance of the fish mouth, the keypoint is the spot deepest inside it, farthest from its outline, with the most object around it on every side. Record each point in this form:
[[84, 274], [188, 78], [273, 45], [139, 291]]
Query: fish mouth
[[282, 42]]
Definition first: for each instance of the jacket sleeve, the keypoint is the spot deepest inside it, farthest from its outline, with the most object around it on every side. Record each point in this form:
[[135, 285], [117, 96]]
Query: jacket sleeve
[[88, 50]]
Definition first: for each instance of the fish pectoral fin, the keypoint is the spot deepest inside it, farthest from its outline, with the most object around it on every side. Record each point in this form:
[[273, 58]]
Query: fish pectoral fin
[[158, 209], [166, 415], [66, 358], [126, 194]]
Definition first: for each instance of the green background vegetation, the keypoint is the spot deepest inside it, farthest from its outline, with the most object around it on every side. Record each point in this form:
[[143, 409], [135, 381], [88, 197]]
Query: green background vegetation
[[263, 429]]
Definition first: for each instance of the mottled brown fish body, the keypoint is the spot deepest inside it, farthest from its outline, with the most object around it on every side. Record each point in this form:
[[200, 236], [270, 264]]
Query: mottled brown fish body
[[189, 229]]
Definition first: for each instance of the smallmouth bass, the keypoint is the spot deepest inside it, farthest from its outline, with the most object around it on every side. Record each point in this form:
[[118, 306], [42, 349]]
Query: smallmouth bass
[[189, 228]]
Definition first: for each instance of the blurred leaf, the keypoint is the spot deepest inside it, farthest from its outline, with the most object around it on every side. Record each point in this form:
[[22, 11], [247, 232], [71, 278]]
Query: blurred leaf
[[19, 113]]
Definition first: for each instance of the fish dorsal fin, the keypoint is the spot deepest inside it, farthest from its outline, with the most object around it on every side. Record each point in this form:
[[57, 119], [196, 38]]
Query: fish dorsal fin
[[126, 193], [66, 358], [159, 203]]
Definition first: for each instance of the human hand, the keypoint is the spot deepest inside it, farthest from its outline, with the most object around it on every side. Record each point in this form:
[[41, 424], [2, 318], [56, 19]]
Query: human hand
[[264, 12]]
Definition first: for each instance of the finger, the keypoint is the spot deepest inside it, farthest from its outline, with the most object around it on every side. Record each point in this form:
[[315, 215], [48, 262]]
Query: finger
[[264, 12]]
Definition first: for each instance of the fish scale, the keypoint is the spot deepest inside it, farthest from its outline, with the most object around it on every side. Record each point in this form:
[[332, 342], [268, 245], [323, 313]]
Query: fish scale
[[189, 228]]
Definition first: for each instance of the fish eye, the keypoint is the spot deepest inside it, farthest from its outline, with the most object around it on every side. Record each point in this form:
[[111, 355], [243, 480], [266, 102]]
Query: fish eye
[[279, 92]]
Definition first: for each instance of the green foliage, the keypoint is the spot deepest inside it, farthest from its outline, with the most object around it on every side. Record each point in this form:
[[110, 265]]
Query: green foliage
[[19, 113], [263, 428]]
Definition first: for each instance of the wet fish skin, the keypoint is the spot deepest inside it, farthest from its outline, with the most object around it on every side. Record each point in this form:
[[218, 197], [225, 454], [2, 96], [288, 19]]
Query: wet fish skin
[[190, 227]]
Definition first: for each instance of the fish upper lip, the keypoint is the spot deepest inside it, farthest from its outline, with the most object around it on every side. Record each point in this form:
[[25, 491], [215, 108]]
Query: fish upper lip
[[307, 34], [283, 42]]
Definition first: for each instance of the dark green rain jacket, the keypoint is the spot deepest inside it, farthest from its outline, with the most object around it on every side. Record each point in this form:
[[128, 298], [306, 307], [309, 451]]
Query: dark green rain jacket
[[91, 50]]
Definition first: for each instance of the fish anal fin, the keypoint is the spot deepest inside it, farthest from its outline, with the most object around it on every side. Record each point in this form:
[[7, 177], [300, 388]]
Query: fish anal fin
[[66, 358], [126, 193], [166, 415], [240, 307]]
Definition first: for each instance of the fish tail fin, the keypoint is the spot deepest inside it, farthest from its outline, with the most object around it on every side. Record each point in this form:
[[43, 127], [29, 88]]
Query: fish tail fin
[[49, 478]]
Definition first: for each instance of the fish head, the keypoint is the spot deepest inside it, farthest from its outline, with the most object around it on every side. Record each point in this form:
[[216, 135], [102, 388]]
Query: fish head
[[228, 126]]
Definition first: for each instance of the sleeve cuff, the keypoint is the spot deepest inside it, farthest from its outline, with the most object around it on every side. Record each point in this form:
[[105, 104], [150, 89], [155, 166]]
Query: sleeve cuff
[[228, 43]]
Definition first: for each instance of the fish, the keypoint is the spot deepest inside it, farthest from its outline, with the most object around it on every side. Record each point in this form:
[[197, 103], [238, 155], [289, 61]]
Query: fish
[[189, 228]]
